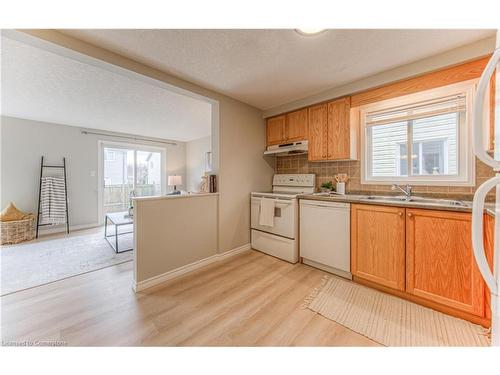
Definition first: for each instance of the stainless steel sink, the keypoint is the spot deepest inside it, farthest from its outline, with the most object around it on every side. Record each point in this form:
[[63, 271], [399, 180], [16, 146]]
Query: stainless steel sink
[[449, 202], [421, 200], [388, 199]]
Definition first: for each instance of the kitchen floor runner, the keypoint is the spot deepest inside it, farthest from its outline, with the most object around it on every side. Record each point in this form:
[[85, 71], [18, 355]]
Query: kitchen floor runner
[[390, 320]]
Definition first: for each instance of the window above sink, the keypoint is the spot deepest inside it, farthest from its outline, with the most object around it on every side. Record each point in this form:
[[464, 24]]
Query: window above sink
[[422, 138]]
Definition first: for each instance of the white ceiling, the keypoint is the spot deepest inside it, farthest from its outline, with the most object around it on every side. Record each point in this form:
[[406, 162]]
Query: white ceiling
[[41, 85], [267, 68]]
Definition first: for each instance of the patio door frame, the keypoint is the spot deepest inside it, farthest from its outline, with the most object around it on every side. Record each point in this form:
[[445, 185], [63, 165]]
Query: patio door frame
[[126, 146]]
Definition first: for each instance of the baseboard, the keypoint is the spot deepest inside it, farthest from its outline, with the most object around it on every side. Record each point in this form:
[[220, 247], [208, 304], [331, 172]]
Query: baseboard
[[156, 280], [323, 267], [62, 229]]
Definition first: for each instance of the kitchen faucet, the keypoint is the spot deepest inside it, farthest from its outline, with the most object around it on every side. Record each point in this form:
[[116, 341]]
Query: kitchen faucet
[[406, 190]]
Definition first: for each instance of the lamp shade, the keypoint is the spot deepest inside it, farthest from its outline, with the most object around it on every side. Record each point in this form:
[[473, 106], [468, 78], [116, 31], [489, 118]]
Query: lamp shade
[[174, 180]]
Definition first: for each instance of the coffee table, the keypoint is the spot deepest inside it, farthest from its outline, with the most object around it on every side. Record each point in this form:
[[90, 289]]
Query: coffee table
[[117, 219]]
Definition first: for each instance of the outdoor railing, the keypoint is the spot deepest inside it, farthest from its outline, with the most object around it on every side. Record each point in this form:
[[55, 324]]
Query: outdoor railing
[[117, 197]]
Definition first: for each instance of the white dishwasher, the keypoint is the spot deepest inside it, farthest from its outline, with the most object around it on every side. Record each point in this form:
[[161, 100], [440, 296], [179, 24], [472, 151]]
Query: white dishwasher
[[325, 236]]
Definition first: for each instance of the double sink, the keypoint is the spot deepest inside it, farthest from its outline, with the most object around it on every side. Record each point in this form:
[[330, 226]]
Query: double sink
[[401, 200], [414, 199]]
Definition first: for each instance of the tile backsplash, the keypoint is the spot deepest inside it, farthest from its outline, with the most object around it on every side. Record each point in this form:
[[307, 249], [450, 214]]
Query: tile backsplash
[[325, 171]]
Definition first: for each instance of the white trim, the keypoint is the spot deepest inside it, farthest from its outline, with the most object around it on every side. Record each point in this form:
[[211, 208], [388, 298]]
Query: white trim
[[61, 229], [156, 280], [466, 163]]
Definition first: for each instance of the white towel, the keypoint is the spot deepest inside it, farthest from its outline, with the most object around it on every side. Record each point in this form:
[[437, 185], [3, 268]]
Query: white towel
[[266, 216], [53, 201]]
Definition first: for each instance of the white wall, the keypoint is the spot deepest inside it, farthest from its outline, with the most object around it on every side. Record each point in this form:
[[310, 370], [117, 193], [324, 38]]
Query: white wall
[[23, 142], [195, 161]]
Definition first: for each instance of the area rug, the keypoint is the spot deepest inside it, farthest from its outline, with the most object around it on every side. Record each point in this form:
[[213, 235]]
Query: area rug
[[46, 260], [389, 320]]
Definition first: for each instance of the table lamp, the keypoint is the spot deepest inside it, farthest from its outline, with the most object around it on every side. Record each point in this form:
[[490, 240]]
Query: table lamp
[[174, 181]]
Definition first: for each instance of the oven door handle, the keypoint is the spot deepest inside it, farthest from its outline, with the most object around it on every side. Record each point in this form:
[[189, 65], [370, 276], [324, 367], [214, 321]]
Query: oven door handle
[[277, 200]]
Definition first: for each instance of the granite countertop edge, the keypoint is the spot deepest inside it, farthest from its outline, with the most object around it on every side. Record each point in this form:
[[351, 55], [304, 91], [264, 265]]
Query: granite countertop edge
[[355, 198]]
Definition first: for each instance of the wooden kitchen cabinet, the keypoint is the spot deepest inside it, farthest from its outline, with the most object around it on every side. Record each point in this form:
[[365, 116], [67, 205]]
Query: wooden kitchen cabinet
[[275, 130], [440, 264], [318, 128], [296, 126], [329, 131], [489, 238], [378, 244], [338, 137], [291, 127]]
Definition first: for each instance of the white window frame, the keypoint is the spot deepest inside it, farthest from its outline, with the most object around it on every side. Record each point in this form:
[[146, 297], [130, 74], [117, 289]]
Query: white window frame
[[466, 164]]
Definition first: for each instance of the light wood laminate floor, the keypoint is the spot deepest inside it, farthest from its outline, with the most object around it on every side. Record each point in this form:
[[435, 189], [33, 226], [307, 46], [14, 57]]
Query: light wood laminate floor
[[248, 300]]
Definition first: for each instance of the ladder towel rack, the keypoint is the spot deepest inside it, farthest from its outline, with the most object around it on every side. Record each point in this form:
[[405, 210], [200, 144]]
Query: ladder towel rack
[[42, 167]]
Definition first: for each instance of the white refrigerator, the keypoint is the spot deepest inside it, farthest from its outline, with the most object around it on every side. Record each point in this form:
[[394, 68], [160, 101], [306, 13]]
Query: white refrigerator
[[491, 277]]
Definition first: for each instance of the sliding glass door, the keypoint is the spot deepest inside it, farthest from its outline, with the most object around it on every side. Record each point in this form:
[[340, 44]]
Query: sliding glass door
[[130, 170]]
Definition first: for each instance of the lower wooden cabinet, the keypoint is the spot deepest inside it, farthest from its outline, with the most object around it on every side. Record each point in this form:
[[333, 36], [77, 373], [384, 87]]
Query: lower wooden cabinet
[[440, 264], [422, 255], [378, 244], [489, 243]]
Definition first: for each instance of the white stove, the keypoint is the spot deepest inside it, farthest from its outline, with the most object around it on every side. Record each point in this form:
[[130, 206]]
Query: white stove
[[281, 238]]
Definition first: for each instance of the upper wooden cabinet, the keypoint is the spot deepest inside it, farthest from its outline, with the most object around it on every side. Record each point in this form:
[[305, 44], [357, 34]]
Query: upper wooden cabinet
[[326, 126], [296, 125], [287, 128], [339, 129], [378, 244], [440, 264], [318, 128], [329, 131], [276, 130]]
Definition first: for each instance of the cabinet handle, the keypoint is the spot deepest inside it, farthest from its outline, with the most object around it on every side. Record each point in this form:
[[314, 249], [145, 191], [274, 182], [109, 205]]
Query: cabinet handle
[[410, 214], [400, 213]]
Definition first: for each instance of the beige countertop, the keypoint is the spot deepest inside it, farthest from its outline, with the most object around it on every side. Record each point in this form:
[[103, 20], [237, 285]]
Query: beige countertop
[[428, 204], [176, 196]]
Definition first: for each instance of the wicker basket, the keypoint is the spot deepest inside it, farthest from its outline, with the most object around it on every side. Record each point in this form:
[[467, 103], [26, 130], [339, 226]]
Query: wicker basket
[[17, 231]]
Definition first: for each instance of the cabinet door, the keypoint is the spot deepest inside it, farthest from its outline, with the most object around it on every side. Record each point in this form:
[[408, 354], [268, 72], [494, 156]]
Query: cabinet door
[[440, 264], [296, 126], [276, 130], [489, 238], [318, 123], [378, 244], [339, 129]]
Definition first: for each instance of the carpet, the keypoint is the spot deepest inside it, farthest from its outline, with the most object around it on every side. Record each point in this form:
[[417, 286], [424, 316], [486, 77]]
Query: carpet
[[54, 258], [390, 320]]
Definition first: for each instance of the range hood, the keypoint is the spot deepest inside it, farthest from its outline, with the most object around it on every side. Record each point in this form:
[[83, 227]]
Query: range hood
[[299, 147]]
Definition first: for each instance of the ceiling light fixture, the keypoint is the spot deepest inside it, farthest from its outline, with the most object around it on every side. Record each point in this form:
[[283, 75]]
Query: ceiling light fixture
[[310, 31]]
